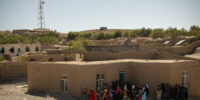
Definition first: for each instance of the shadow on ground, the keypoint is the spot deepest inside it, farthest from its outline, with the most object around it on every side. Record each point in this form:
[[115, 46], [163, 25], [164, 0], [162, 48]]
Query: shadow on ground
[[55, 96], [12, 80]]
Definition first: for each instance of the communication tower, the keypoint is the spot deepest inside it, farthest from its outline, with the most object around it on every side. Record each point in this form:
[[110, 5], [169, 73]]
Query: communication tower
[[41, 21]]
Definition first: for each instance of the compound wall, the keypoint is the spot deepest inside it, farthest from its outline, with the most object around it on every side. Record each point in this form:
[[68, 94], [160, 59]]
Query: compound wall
[[103, 55], [13, 70]]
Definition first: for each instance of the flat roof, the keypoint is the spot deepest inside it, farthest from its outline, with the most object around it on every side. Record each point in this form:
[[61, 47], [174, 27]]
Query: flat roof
[[115, 61], [195, 56]]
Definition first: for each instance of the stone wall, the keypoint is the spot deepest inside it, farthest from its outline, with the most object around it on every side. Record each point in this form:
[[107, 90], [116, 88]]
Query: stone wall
[[112, 48], [164, 55], [103, 55], [181, 50], [55, 57]]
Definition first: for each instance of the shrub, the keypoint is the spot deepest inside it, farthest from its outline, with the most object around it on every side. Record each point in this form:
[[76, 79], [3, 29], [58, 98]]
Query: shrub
[[72, 35], [117, 34], [157, 33], [1, 59], [80, 44], [71, 57], [21, 58]]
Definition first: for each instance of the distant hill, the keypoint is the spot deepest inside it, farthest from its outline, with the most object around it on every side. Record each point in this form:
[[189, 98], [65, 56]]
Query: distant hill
[[106, 30]]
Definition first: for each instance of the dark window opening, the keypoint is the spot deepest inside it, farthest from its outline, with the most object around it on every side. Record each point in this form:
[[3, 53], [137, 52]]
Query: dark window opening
[[12, 50], [2, 50], [27, 49], [37, 49], [50, 59], [64, 79], [122, 75], [32, 59], [65, 59], [19, 49]]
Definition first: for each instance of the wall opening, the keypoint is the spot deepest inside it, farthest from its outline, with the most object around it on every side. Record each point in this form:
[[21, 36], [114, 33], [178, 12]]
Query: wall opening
[[50, 59], [12, 50], [185, 78], [32, 59], [37, 49], [64, 80], [122, 76], [65, 59], [99, 82], [2, 50], [19, 49], [27, 49]]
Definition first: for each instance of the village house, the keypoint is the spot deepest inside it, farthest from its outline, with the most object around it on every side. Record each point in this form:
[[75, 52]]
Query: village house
[[18, 49], [71, 77]]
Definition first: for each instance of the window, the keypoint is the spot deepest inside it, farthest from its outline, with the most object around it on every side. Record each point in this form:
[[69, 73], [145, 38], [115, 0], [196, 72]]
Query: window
[[185, 78], [32, 59], [37, 48], [50, 59], [64, 79], [12, 50], [27, 49], [65, 59], [2, 50], [122, 75], [100, 82], [19, 49]]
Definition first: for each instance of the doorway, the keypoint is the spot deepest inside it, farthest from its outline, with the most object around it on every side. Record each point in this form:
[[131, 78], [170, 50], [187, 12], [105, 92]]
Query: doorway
[[122, 76]]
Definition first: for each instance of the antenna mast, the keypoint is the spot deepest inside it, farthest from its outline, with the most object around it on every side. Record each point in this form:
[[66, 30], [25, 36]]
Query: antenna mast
[[41, 21]]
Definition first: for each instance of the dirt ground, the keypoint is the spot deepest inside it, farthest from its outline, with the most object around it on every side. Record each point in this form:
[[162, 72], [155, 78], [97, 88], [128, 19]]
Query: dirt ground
[[17, 90]]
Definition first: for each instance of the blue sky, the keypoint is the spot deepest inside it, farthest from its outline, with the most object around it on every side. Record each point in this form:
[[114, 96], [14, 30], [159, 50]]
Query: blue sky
[[77, 15]]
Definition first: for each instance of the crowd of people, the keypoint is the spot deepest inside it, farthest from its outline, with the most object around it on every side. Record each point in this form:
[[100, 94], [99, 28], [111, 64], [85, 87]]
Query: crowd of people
[[117, 90], [170, 92]]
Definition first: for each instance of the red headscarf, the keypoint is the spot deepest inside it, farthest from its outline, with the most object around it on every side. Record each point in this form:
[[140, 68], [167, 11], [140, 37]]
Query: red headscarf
[[109, 94], [93, 96]]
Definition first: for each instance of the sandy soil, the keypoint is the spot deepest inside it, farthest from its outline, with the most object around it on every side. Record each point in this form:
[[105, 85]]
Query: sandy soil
[[18, 91]]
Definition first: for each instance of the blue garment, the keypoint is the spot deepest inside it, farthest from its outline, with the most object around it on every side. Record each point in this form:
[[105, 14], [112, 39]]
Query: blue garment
[[111, 93], [144, 96]]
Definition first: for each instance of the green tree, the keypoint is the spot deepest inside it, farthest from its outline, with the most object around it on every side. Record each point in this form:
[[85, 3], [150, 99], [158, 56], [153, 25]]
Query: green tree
[[86, 35], [134, 34], [157, 33], [126, 34], [184, 32], [117, 34], [173, 32], [101, 36], [72, 35], [80, 44], [195, 31], [143, 32], [109, 35]]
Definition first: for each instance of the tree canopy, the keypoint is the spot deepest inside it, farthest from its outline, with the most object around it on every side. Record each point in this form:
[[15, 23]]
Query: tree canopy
[[44, 38]]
